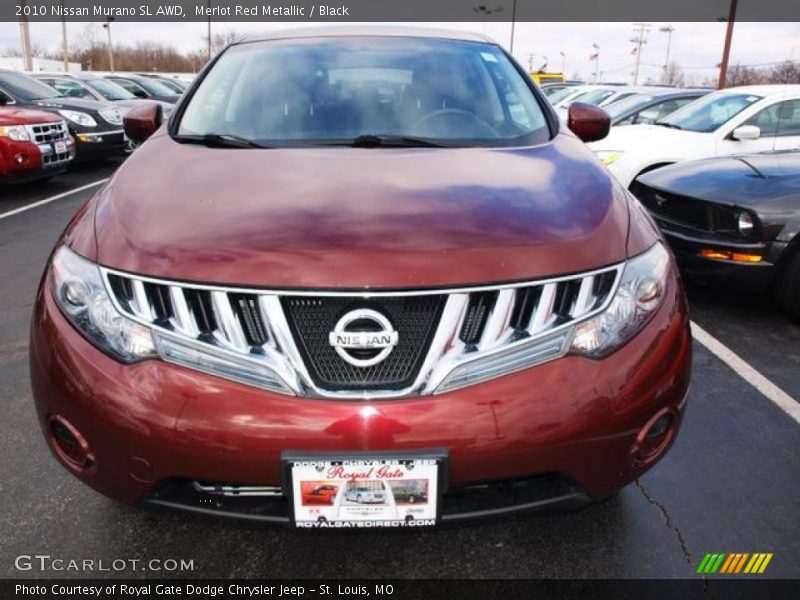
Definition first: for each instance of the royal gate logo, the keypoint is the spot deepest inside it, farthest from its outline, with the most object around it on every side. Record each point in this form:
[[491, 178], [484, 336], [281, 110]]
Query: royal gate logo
[[736, 563]]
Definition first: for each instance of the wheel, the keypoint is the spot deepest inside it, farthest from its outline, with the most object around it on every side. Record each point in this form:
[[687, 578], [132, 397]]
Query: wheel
[[787, 288]]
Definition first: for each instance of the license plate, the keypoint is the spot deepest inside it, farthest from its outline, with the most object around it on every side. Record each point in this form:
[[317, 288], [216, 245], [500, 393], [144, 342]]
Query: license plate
[[365, 491], [60, 147]]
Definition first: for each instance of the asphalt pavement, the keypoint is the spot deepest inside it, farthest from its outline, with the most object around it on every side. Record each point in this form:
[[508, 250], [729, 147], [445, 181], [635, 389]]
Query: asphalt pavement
[[730, 484]]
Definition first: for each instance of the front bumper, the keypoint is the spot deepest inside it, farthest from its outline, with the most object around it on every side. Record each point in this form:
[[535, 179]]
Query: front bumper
[[96, 145], [154, 426], [749, 276]]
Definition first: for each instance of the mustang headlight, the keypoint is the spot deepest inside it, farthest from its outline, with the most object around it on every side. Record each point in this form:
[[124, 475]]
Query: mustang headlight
[[638, 296], [79, 118], [608, 156], [79, 290]]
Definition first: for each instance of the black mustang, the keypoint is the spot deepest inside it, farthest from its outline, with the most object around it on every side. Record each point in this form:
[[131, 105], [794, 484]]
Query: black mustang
[[734, 219]]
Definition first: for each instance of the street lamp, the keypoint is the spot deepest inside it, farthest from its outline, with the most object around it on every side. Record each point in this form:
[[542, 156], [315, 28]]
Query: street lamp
[[596, 62], [107, 27], [486, 12], [563, 62], [669, 30]]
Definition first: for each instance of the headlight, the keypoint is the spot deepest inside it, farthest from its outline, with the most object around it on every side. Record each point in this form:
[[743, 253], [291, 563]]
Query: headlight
[[79, 290], [744, 223], [112, 115], [638, 296], [79, 118], [15, 132], [608, 156]]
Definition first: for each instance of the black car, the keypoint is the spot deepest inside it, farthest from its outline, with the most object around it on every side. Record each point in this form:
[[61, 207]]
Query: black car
[[96, 126], [732, 220], [651, 106], [145, 87]]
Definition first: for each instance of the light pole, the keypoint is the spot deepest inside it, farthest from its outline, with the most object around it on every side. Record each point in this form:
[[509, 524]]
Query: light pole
[[208, 33], [563, 63], [513, 24], [726, 51], [596, 61], [25, 33], [486, 12], [640, 29], [669, 30], [65, 48], [107, 27]]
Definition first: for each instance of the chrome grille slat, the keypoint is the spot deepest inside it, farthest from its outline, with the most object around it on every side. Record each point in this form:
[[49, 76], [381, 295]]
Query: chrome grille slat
[[229, 330], [515, 316]]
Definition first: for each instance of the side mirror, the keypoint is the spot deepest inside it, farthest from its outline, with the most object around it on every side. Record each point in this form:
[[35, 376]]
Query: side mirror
[[140, 94], [588, 122], [746, 132], [142, 121]]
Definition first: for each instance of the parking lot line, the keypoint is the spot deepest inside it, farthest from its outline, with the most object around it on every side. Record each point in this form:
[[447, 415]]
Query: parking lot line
[[742, 368], [16, 211]]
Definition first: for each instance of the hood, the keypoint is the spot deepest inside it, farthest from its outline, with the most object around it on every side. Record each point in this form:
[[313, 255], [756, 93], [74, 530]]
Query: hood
[[747, 181], [22, 116], [358, 218], [648, 138], [72, 104]]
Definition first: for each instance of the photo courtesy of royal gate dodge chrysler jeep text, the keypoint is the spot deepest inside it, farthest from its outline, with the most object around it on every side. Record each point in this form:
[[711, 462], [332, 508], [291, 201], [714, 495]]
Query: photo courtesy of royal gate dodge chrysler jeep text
[[386, 268]]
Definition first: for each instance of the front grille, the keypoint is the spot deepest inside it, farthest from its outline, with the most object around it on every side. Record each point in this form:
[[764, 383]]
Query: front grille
[[323, 344], [46, 133], [672, 210], [413, 317]]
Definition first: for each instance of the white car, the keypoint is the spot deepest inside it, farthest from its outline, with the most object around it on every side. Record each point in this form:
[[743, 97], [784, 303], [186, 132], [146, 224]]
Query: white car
[[737, 120], [365, 495]]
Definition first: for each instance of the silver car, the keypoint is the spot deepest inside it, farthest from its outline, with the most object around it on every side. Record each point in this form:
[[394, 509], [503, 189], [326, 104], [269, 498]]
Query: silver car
[[365, 495]]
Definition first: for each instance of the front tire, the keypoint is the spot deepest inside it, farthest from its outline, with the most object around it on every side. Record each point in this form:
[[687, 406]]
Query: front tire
[[787, 289]]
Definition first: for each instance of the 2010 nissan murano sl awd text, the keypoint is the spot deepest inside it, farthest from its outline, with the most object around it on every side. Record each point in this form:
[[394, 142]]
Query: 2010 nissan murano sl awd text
[[361, 259]]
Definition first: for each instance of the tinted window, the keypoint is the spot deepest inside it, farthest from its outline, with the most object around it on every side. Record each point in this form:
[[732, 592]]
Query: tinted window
[[780, 119], [154, 87], [129, 86], [109, 90], [26, 88], [711, 112], [69, 88], [336, 89]]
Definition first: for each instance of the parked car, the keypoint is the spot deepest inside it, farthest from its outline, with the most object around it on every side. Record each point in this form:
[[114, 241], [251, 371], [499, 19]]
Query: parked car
[[648, 107], [33, 145], [410, 495], [737, 120], [365, 495], [397, 225], [94, 87], [322, 494], [95, 126], [175, 85], [733, 220], [145, 87]]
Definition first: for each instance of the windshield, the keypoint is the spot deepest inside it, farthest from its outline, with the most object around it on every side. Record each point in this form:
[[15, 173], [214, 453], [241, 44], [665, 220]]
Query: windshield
[[594, 97], [558, 96], [108, 89], [338, 89], [711, 112], [617, 108], [155, 88], [26, 88]]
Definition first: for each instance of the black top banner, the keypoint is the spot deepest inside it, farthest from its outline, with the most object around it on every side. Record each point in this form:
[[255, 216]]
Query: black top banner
[[329, 11]]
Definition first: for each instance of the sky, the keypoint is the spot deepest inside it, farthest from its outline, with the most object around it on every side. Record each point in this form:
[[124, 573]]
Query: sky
[[696, 47]]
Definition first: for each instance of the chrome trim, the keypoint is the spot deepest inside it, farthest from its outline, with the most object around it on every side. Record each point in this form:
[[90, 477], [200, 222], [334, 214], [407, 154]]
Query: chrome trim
[[281, 356], [238, 490], [100, 133]]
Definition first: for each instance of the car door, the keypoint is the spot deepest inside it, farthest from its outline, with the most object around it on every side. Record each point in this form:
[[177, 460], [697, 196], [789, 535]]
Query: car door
[[787, 136], [765, 118]]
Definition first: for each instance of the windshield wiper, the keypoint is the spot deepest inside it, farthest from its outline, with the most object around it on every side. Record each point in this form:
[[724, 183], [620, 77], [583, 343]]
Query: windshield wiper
[[219, 140], [382, 141], [670, 125]]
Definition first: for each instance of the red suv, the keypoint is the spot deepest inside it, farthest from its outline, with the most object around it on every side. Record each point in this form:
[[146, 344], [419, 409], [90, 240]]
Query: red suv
[[361, 256], [33, 145]]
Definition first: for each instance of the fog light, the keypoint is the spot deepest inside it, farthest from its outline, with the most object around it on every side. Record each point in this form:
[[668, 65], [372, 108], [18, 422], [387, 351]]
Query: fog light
[[69, 444], [654, 438], [21, 158]]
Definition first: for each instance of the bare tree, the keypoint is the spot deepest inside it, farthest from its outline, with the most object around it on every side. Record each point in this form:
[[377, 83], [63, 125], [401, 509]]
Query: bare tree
[[673, 74], [785, 72], [743, 75], [220, 40]]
